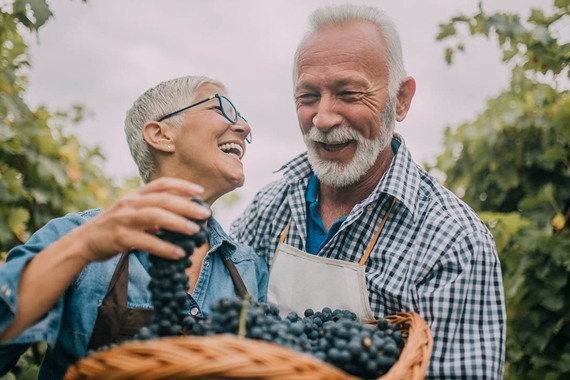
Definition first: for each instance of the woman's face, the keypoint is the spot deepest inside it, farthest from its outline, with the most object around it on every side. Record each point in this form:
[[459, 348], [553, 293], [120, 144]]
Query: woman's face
[[209, 148]]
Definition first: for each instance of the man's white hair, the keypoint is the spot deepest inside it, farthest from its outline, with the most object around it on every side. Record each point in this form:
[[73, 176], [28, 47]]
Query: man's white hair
[[347, 13], [164, 98]]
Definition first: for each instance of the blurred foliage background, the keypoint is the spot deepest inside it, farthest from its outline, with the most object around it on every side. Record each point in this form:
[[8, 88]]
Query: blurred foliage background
[[44, 172], [511, 164]]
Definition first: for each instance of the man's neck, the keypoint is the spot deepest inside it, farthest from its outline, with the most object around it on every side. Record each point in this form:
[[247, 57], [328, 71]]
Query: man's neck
[[335, 203]]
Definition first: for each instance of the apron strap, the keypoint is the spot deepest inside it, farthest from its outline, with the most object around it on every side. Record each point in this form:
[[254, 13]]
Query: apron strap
[[375, 237], [112, 311], [117, 290], [370, 245], [284, 234], [241, 290]]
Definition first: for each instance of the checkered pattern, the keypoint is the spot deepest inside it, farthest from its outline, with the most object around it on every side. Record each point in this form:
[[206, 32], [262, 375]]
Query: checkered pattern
[[434, 256]]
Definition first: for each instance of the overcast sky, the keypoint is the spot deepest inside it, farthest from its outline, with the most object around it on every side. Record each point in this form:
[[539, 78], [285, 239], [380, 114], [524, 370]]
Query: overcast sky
[[104, 54]]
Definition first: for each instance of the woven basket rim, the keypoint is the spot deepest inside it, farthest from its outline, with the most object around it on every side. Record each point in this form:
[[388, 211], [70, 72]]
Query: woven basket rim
[[215, 356]]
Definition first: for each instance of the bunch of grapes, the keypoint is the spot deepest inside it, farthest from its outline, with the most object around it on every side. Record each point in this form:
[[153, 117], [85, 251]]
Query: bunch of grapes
[[169, 283], [335, 337]]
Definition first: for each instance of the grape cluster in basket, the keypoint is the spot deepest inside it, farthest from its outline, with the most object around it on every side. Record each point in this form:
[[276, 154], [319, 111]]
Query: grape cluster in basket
[[335, 337], [169, 282]]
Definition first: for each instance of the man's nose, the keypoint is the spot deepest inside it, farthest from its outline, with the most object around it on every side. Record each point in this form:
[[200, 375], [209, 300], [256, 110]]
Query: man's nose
[[327, 116]]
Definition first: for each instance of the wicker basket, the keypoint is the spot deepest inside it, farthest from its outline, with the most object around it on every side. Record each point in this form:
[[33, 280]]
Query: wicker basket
[[231, 357]]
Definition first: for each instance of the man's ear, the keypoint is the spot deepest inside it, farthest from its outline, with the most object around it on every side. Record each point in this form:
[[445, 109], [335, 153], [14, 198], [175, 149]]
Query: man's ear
[[404, 100], [159, 136]]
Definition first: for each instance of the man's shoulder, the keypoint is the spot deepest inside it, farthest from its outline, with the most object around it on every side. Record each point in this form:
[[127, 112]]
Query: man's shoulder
[[445, 207], [294, 172], [273, 189]]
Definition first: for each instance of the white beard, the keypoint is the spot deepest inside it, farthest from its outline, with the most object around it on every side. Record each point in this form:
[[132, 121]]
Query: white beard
[[336, 174]]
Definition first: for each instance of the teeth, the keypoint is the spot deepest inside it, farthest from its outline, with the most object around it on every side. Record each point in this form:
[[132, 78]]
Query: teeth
[[232, 148]]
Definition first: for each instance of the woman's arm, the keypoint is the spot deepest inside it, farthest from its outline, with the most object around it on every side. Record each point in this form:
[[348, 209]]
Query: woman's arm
[[130, 223]]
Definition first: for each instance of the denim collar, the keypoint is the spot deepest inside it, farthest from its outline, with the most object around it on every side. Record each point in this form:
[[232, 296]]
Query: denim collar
[[219, 238]]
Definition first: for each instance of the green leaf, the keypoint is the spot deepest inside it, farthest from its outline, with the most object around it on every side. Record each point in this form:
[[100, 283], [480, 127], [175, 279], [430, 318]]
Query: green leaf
[[446, 30], [555, 153], [541, 34], [562, 3], [40, 11], [448, 55], [17, 219], [11, 184], [564, 365], [15, 105], [6, 235]]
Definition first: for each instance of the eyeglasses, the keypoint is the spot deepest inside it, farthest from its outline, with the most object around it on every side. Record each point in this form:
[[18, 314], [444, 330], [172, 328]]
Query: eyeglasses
[[228, 110]]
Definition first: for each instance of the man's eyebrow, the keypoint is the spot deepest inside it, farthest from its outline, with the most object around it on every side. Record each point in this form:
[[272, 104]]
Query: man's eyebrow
[[305, 85], [341, 82], [354, 81]]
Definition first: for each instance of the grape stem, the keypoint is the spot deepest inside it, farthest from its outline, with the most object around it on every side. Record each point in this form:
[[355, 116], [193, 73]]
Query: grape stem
[[243, 315]]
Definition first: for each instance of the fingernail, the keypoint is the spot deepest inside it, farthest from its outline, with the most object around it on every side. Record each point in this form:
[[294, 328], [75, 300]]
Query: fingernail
[[192, 228], [179, 252], [196, 188], [203, 212]]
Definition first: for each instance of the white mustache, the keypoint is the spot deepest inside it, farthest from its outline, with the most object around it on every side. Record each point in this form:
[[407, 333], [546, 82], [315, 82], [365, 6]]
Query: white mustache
[[336, 135]]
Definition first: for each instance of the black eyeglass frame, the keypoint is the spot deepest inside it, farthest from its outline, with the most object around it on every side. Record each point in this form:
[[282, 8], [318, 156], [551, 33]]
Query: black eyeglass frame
[[219, 97]]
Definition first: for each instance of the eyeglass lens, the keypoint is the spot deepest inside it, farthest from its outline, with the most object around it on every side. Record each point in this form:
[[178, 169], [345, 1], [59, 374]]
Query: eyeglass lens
[[228, 109]]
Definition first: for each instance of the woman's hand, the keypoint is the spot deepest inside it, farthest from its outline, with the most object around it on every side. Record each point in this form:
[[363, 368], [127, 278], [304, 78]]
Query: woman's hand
[[131, 223]]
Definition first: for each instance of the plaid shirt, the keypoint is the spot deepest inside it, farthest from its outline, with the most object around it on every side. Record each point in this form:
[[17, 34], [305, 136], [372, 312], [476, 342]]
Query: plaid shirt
[[434, 256]]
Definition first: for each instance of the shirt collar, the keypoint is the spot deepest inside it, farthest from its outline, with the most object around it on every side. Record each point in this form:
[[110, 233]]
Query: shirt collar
[[218, 237], [296, 170], [401, 180], [312, 189]]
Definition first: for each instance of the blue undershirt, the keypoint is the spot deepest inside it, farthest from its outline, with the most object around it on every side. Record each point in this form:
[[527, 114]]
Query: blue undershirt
[[317, 235]]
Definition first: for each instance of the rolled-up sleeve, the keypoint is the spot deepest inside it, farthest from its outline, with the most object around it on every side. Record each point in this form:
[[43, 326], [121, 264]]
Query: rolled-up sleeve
[[45, 329]]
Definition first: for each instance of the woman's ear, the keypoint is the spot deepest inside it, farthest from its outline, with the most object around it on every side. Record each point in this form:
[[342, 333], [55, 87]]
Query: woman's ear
[[159, 136], [404, 100]]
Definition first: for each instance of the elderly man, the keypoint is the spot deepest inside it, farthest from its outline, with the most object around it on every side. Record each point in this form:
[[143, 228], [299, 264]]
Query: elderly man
[[354, 223]]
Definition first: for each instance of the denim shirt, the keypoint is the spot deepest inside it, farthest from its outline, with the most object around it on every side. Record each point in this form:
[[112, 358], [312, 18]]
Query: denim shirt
[[67, 327]]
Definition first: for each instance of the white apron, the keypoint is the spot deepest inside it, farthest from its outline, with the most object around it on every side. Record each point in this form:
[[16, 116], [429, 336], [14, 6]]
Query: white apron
[[299, 280]]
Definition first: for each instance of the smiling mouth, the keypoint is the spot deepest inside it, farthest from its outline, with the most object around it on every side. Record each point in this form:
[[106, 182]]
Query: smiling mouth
[[334, 147], [232, 148]]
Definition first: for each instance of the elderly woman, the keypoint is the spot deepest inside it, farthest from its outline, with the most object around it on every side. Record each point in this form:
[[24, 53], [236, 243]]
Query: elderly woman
[[69, 286]]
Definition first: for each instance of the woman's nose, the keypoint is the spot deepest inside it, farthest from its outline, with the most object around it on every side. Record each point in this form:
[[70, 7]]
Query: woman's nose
[[242, 127]]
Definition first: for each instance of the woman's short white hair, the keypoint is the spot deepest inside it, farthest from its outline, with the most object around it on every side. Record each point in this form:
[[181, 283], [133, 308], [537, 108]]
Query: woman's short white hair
[[162, 99], [347, 13]]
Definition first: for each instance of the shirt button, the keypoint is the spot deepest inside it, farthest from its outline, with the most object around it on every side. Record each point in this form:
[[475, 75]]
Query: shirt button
[[207, 263], [6, 290], [369, 208], [194, 311]]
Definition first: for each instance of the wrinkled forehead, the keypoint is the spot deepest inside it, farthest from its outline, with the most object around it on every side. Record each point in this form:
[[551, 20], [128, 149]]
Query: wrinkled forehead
[[350, 52], [358, 41]]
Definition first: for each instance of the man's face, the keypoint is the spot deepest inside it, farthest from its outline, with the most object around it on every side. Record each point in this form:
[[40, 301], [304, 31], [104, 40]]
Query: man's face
[[341, 94]]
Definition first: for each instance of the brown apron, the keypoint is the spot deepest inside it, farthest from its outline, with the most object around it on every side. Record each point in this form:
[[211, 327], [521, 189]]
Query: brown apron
[[116, 322]]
